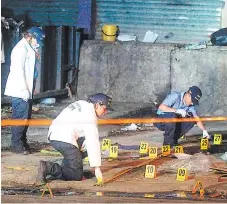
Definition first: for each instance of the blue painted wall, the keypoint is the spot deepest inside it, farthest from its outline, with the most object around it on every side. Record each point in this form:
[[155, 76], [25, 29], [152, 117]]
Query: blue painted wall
[[44, 12]]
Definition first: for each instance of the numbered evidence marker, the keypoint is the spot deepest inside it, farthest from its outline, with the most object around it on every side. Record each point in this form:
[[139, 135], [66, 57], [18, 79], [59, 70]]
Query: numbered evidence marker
[[178, 149], [153, 152], [217, 139], [165, 150], [143, 148], [150, 171], [182, 174], [204, 144], [114, 151], [105, 144]]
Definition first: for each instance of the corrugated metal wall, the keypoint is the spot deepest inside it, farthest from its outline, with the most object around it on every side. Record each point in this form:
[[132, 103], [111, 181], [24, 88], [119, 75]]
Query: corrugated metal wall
[[173, 20], [44, 12]]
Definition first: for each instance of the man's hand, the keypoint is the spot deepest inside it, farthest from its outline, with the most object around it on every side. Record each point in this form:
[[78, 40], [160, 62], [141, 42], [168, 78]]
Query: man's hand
[[206, 135], [98, 175], [181, 112], [25, 95]]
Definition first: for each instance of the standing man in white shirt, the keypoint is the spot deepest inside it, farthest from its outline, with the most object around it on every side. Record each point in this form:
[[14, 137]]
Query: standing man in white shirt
[[74, 133], [20, 84]]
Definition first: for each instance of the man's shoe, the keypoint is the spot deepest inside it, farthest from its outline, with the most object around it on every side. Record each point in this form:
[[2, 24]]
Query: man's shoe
[[27, 146], [42, 171], [26, 152]]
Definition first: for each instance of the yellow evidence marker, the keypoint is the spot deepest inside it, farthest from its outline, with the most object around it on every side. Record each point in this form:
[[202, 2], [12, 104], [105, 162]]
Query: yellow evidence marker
[[105, 144], [150, 171], [113, 151], [144, 147], [217, 139], [153, 152], [182, 174], [178, 149], [165, 150], [204, 144]]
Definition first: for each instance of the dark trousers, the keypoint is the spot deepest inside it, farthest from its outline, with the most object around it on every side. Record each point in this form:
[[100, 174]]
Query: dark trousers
[[173, 131], [71, 167], [20, 110]]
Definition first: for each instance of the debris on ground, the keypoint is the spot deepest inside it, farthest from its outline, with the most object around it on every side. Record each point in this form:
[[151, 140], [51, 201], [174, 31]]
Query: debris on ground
[[132, 127], [48, 101], [224, 156], [193, 163], [6, 111], [150, 37], [197, 46], [35, 108], [126, 38]]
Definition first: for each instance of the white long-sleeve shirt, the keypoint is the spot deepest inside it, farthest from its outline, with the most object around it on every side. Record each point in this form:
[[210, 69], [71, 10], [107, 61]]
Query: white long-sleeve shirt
[[21, 75], [78, 120]]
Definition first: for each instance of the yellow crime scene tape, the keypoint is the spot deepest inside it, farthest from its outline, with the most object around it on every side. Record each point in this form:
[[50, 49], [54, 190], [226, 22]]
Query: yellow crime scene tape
[[47, 122]]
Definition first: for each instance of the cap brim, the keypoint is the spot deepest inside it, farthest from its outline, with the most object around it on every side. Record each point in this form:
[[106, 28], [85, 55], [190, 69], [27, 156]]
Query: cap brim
[[195, 102], [40, 42]]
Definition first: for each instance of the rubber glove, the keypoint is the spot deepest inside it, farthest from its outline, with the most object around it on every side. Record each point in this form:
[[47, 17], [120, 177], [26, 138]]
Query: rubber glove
[[25, 95], [98, 175], [206, 135], [181, 112]]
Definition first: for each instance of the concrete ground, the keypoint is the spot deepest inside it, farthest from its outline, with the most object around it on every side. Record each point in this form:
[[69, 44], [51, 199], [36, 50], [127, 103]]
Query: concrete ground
[[18, 170]]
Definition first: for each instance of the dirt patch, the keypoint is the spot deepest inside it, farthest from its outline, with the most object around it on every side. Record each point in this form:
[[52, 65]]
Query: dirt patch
[[18, 170]]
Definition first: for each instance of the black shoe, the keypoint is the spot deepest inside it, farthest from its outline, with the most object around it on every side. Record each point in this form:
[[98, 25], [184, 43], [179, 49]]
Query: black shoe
[[42, 171], [26, 152], [27, 146]]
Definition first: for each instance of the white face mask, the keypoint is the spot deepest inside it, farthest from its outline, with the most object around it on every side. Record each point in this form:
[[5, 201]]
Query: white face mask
[[34, 44], [36, 47]]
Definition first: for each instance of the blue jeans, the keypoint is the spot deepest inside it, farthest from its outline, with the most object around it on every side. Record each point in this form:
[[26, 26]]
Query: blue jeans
[[71, 167], [173, 131], [20, 110]]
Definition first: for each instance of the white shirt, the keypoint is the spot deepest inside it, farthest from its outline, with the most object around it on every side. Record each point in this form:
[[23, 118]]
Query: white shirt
[[21, 75], [78, 120]]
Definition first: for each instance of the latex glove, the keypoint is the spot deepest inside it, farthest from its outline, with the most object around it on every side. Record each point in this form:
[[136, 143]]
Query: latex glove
[[206, 135], [181, 112], [98, 175], [83, 147], [25, 95]]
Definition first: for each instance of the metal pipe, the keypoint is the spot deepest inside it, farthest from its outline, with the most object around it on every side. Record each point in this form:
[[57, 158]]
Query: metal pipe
[[59, 74], [76, 60], [70, 52], [77, 46]]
